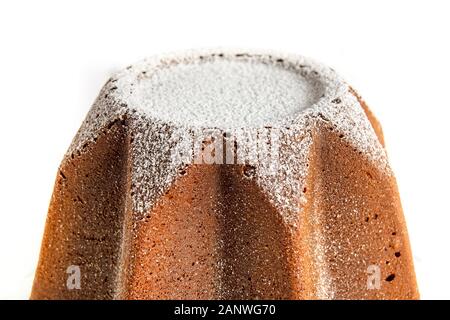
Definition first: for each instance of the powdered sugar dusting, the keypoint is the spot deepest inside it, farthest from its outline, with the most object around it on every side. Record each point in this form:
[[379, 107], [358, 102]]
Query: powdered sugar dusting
[[222, 93], [260, 100]]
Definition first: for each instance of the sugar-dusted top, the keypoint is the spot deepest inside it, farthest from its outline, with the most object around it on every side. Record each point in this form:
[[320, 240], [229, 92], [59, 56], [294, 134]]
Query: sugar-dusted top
[[224, 92], [224, 89]]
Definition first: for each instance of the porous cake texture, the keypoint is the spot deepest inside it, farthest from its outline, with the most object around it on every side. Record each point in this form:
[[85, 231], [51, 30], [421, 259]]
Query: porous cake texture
[[226, 175]]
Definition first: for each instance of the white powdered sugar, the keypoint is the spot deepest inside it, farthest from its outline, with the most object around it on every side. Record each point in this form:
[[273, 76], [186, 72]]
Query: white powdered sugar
[[266, 105], [223, 93]]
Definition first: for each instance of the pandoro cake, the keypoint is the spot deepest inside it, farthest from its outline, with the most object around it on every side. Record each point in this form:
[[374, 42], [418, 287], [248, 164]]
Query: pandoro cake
[[226, 175]]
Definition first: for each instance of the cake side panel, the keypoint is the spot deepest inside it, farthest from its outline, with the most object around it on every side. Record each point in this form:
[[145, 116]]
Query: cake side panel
[[366, 246], [372, 119], [174, 249], [256, 242], [83, 231], [213, 235]]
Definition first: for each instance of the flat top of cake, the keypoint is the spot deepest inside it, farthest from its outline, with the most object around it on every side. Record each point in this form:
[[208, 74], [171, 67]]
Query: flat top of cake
[[226, 90], [225, 93]]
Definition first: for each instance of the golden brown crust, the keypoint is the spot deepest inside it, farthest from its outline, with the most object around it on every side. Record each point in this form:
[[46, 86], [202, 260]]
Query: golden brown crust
[[357, 213], [85, 221]]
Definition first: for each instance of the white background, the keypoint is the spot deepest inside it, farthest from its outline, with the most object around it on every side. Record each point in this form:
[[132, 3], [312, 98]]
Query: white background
[[56, 55]]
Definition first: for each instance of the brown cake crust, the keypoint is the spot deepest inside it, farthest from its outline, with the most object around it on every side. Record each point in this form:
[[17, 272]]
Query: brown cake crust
[[85, 221], [357, 212]]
